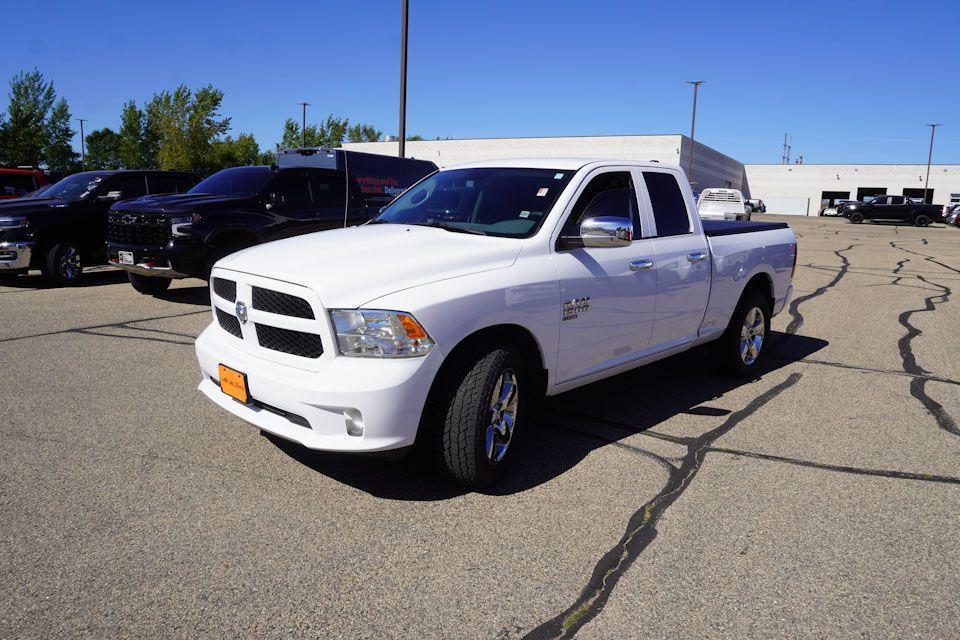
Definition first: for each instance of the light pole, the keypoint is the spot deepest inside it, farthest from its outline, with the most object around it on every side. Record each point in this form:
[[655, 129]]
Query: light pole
[[404, 7], [83, 147], [933, 129], [693, 125], [303, 124]]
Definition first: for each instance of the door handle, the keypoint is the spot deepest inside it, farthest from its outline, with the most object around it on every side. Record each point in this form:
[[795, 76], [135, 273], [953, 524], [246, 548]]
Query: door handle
[[639, 265], [696, 257]]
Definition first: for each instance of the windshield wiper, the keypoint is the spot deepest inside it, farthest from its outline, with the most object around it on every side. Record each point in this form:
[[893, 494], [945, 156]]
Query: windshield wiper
[[449, 227]]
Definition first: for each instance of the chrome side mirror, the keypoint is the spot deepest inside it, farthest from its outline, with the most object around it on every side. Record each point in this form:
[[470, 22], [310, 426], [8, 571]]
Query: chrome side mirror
[[606, 231]]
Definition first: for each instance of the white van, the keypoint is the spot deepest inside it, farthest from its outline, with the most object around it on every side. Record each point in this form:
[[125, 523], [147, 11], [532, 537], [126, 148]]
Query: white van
[[722, 204]]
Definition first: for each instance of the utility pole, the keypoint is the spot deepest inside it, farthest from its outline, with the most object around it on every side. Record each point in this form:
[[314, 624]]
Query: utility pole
[[404, 10], [785, 156], [693, 126], [83, 147], [303, 125], [926, 192]]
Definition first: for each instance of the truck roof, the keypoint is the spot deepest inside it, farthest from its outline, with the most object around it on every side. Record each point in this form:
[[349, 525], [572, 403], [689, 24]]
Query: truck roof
[[558, 163]]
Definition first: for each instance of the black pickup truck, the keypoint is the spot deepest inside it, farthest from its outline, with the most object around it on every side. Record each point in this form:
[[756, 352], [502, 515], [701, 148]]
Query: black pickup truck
[[158, 239], [903, 208], [61, 229]]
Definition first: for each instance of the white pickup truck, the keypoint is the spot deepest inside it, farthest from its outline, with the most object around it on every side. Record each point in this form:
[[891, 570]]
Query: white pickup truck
[[722, 204], [476, 291]]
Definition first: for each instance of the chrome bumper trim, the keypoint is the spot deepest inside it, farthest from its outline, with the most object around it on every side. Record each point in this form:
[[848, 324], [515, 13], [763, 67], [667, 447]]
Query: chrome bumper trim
[[15, 255]]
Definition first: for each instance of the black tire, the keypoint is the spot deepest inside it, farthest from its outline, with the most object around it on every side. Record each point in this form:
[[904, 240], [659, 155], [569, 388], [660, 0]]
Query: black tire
[[922, 220], [147, 285], [730, 345], [856, 217], [62, 262], [464, 414], [748, 208]]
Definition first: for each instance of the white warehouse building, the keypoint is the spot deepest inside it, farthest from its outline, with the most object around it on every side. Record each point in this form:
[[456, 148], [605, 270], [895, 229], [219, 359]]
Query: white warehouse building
[[797, 189]]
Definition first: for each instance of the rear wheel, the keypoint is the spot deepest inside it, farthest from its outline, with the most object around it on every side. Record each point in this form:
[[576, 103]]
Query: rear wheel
[[742, 345], [856, 217], [147, 285], [479, 414], [62, 263], [748, 208], [922, 220]]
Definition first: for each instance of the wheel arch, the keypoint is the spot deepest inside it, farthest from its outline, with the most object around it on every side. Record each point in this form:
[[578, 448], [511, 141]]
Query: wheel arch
[[762, 283], [233, 236]]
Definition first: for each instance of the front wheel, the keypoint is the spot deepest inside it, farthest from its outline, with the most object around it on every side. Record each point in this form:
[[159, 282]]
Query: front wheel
[[922, 220], [480, 415], [62, 264], [147, 285], [856, 218], [741, 346]]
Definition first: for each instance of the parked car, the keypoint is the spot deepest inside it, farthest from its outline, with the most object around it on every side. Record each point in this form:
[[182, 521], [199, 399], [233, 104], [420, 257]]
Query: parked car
[[160, 239], [754, 204], [61, 229], [912, 210], [951, 215], [722, 204], [478, 290], [836, 209], [16, 183]]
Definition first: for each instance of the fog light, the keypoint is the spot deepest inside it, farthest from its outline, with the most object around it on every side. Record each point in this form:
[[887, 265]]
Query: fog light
[[354, 420]]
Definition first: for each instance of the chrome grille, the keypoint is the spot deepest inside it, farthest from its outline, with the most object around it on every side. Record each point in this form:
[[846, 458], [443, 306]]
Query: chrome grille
[[298, 343], [229, 323], [226, 289], [280, 303]]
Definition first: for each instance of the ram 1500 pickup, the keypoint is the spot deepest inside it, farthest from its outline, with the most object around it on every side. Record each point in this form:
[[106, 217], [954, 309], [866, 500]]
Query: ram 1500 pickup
[[479, 289]]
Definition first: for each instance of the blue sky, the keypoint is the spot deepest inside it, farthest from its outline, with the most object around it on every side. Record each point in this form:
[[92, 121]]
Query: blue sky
[[851, 81]]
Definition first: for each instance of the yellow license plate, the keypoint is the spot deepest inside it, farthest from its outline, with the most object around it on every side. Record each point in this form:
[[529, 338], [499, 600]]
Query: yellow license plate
[[234, 384]]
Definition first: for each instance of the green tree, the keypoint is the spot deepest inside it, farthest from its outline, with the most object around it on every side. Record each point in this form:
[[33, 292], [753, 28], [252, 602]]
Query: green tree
[[103, 149], [186, 125], [238, 152], [415, 137], [138, 140], [24, 132], [363, 133], [58, 151]]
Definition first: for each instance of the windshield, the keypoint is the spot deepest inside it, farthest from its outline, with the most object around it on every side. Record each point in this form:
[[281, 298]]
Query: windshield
[[73, 188], [239, 181], [506, 202]]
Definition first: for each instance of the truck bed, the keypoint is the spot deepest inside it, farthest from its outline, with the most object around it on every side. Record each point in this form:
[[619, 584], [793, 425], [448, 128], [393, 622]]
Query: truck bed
[[714, 228]]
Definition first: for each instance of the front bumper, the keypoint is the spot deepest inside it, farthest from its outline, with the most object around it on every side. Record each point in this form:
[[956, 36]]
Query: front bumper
[[15, 256], [173, 260], [312, 407]]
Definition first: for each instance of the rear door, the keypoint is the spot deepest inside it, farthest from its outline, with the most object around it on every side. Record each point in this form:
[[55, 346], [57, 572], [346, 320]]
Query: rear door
[[683, 260], [608, 294]]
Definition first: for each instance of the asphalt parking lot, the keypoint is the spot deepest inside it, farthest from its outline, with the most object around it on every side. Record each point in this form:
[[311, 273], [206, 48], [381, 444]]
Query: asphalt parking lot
[[822, 500]]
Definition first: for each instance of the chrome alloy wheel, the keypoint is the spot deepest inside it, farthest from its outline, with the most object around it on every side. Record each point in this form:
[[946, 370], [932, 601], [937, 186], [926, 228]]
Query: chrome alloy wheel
[[751, 335], [504, 401], [70, 263]]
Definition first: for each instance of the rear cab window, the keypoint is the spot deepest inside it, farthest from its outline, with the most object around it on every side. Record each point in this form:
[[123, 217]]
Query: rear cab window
[[669, 206]]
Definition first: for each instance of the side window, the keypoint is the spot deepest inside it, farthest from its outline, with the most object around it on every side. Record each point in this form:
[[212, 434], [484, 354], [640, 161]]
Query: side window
[[16, 184], [292, 185], [169, 183], [608, 194], [896, 199], [328, 187], [130, 185], [669, 208]]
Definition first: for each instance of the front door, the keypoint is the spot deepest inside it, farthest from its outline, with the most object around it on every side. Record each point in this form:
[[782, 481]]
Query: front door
[[683, 261], [607, 294], [293, 205]]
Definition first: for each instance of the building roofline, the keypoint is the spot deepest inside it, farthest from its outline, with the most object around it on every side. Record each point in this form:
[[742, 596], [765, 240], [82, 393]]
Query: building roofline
[[600, 135], [850, 164]]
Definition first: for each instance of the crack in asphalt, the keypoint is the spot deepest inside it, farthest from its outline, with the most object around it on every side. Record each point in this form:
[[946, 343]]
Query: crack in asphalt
[[642, 526], [794, 310], [126, 324], [919, 382]]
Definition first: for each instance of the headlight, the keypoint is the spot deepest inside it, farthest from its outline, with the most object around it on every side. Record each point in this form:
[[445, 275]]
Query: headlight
[[12, 222], [182, 225], [379, 334]]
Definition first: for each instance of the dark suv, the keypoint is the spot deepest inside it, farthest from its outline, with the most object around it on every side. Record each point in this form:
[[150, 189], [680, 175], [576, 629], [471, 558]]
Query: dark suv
[[883, 207], [159, 239], [61, 229]]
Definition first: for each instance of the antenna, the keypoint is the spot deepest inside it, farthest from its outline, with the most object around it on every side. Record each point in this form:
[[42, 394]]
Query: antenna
[[785, 156]]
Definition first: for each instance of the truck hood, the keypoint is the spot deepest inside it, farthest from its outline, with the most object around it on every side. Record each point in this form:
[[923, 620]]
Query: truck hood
[[22, 206], [350, 267], [176, 203]]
